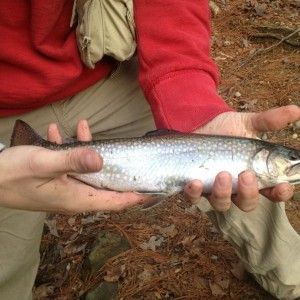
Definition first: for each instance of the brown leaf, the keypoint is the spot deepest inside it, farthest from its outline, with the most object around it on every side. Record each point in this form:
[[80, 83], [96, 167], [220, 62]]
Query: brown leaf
[[114, 274], [216, 290], [187, 239], [73, 248], [220, 286], [43, 291], [169, 231], [152, 243], [260, 9], [51, 223], [145, 276]]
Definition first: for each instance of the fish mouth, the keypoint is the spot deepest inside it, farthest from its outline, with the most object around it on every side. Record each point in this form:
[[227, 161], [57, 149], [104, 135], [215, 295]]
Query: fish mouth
[[294, 170]]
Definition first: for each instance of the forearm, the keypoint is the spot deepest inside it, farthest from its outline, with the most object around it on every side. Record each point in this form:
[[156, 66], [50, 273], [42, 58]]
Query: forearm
[[176, 72]]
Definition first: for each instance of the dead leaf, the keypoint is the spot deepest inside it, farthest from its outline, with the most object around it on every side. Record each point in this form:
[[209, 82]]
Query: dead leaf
[[51, 224], [188, 239], [260, 9], [114, 274], [216, 290], [43, 291], [219, 286], [169, 231], [94, 217], [152, 243], [145, 276], [157, 295], [72, 221], [73, 248], [223, 282], [215, 9], [191, 210]]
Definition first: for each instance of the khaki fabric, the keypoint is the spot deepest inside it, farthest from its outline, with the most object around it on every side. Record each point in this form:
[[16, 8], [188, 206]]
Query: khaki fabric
[[265, 242], [20, 236], [115, 107], [105, 27]]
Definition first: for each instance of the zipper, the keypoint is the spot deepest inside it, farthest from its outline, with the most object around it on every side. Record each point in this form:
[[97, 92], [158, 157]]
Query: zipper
[[86, 40]]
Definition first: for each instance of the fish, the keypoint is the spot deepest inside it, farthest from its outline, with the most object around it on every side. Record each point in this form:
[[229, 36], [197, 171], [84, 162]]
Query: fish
[[162, 162]]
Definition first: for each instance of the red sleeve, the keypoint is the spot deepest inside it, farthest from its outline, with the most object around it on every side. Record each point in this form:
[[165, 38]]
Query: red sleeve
[[177, 75]]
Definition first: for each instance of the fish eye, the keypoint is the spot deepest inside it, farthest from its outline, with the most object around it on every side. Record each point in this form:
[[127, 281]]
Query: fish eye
[[292, 155]]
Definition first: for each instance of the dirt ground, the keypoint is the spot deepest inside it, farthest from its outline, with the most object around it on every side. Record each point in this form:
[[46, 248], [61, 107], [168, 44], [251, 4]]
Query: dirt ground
[[176, 252]]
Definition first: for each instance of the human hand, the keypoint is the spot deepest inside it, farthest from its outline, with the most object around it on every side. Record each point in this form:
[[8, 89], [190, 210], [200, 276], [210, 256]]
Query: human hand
[[244, 125], [35, 178]]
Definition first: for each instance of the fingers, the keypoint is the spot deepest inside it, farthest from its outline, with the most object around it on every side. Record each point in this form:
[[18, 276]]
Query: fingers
[[281, 192], [220, 198], [101, 200], [86, 198], [193, 190], [83, 131], [247, 195], [79, 160], [246, 198], [119, 201], [53, 134], [276, 118]]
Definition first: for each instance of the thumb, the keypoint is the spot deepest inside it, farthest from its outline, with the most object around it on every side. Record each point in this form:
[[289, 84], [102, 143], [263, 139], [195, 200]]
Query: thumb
[[79, 160], [276, 118]]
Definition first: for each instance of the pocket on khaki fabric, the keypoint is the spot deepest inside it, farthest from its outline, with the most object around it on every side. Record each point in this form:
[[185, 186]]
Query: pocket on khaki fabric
[[105, 27]]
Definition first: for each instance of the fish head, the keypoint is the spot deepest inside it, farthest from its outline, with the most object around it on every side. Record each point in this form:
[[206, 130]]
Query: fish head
[[277, 164]]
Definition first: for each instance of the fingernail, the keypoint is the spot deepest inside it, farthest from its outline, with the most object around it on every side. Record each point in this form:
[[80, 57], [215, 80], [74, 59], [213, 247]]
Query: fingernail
[[193, 190], [195, 186], [224, 179], [248, 178]]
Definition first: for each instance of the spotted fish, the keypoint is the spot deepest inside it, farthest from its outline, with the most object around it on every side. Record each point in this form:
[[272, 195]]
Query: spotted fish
[[163, 162]]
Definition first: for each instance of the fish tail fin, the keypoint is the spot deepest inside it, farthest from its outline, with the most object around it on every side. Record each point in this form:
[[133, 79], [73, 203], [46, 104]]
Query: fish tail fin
[[23, 134]]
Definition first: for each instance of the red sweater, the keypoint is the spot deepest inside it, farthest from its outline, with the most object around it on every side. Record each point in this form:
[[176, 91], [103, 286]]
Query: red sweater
[[40, 63]]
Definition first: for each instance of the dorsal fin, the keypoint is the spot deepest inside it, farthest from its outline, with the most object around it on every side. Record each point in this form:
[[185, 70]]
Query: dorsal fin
[[161, 132], [23, 134]]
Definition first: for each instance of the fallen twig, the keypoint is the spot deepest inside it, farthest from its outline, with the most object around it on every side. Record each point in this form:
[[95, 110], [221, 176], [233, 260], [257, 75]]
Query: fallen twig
[[275, 36], [261, 50], [277, 32]]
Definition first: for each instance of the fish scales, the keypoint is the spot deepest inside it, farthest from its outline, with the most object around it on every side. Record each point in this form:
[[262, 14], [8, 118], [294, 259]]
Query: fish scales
[[155, 164], [164, 163]]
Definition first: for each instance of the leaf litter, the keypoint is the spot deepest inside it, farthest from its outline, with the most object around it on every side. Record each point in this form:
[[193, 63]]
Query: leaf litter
[[176, 252]]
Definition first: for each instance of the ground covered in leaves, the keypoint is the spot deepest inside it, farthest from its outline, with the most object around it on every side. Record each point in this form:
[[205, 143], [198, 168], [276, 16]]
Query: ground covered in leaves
[[176, 253]]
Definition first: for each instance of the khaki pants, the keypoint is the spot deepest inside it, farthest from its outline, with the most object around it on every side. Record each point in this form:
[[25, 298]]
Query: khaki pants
[[115, 107], [265, 242]]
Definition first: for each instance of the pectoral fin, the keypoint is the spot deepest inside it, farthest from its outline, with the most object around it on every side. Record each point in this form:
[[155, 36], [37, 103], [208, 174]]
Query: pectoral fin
[[153, 201]]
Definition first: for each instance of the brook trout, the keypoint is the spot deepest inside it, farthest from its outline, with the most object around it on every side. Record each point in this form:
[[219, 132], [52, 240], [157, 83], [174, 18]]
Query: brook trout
[[162, 163]]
